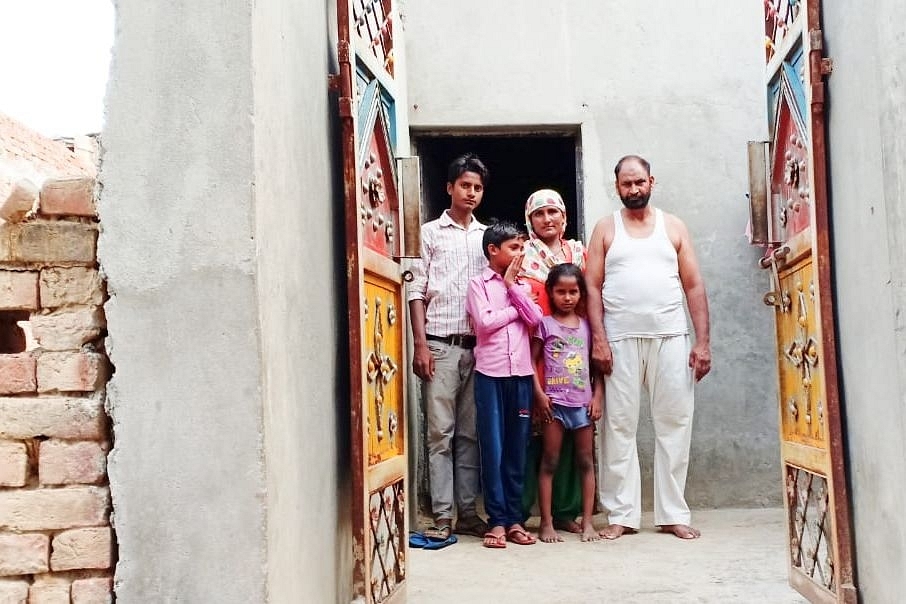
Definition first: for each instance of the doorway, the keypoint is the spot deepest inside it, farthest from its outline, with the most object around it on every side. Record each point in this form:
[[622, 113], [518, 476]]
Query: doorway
[[519, 163]]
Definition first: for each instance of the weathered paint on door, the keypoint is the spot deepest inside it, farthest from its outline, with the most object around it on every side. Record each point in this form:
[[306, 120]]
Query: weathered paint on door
[[816, 501], [367, 90]]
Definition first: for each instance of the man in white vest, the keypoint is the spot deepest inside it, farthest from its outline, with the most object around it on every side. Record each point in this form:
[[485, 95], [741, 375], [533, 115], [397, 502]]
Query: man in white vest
[[641, 265]]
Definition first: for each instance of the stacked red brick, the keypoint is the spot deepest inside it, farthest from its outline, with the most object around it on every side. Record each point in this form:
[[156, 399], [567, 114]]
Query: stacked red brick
[[56, 541]]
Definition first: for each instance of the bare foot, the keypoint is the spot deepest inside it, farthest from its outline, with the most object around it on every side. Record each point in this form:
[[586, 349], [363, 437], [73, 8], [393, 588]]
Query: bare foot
[[615, 531], [548, 534], [589, 533], [682, 531], [567, 524]]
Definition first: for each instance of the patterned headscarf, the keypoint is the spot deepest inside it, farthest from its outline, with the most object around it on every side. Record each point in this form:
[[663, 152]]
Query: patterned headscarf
[[538, 258], [543, 198]]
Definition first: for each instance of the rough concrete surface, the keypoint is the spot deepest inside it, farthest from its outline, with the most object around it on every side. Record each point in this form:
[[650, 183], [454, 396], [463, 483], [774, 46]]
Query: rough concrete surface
[[741, 557], [187, 472]]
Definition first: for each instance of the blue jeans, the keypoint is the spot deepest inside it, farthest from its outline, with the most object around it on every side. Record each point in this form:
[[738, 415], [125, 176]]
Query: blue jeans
[[503, 412]]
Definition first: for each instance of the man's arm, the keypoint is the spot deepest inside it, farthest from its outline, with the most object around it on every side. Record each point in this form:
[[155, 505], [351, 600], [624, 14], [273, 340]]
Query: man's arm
[[601, 356], [696, 300], [422, 359]]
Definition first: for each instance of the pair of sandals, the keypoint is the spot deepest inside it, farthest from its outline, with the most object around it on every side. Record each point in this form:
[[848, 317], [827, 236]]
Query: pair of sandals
[[470, 525], [441, 534], [515, 534]]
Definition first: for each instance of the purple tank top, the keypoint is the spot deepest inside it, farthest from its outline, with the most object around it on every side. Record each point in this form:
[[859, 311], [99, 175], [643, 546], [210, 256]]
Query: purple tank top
[[567, 380]]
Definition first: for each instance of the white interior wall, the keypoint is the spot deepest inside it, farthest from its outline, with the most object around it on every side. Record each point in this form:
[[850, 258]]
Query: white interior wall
[[679, 83]]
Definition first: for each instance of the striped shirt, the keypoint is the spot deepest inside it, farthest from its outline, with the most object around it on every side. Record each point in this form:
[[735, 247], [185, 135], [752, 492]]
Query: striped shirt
[[450, 256]]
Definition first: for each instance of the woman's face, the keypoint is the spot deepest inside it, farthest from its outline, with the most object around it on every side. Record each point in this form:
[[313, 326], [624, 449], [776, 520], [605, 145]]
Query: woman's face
[[548, 223]]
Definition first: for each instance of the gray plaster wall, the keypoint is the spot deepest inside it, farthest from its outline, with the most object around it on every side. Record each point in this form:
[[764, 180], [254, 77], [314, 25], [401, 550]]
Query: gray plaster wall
[[222, 244], [680, 84], [178, 249], [867, 178], [301, 291]]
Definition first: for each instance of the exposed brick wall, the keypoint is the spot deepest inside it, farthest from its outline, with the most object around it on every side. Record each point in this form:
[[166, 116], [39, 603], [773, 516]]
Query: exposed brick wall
[[56, 539], [20, 145]]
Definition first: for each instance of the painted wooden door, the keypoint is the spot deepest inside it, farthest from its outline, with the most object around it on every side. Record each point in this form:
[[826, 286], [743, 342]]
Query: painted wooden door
[[799, 262], [371, 126]]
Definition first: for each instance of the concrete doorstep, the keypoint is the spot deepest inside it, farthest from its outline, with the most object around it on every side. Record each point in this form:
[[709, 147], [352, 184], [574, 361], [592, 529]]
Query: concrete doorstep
[[741, 557]]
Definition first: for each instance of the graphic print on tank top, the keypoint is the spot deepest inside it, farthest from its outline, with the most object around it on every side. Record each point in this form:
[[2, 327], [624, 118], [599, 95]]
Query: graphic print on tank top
[[566, 376]]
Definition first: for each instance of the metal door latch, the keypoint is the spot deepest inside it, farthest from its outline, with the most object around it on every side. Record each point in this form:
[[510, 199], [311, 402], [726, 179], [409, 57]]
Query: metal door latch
[[776, 297]]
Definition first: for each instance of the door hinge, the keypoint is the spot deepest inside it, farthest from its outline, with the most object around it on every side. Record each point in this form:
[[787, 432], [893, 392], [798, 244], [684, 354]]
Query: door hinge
[[827, 66]]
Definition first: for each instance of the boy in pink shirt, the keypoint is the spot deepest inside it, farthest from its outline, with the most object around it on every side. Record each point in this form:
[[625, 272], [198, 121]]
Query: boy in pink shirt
[[503, 316]]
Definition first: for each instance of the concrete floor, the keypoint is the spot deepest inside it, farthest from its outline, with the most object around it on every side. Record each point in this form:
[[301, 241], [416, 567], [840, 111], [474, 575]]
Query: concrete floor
[[741, 557]]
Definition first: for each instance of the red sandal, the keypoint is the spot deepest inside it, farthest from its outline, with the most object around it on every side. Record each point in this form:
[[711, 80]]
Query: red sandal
[[493, 541], [520, 536]]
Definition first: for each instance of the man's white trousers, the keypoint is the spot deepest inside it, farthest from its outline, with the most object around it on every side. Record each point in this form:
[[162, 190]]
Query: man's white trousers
[[660, 366]]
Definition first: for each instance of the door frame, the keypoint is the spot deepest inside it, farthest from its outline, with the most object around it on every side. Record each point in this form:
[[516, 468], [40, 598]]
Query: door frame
[[418, 476]]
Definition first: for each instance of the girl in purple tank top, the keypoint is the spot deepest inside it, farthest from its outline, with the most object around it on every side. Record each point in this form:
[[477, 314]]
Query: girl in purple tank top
[[566, 394]]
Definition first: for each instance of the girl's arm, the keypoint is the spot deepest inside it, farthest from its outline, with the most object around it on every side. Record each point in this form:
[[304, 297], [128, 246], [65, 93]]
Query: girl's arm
[[484, 318], [596, 406], [542, 401]]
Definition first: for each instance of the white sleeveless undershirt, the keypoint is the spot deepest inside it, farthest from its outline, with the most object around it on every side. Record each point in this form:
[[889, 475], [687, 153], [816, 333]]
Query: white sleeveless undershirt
[[643, 295]]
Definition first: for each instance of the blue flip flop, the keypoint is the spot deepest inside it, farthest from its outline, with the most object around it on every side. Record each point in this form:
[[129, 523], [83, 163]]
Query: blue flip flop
[[437, 544], [418, 540]]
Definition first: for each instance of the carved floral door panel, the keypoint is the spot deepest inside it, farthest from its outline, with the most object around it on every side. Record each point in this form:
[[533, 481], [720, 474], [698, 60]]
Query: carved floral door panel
[[798, 260], [371, 128]]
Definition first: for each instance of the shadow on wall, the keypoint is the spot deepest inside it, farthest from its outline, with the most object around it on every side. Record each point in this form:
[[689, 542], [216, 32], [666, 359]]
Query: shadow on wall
[[344, 561]]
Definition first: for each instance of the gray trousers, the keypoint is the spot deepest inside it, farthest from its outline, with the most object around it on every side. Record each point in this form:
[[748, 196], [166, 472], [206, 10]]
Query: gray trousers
[[452, 438]]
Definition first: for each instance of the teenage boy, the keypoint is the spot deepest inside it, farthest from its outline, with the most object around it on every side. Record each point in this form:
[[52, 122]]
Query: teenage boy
[[504, 316], [443, 341]]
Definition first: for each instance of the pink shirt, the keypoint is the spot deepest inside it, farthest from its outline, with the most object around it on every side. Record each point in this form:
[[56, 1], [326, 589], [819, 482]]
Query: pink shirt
[[503, 319]]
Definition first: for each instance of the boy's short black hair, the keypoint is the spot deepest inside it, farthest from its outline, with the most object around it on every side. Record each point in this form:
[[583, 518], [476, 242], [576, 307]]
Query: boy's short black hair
[[499, 232], [467, 163], [567, 269]]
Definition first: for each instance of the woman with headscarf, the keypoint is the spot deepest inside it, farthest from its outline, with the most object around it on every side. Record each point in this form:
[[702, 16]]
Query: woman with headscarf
[[545, 221]]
